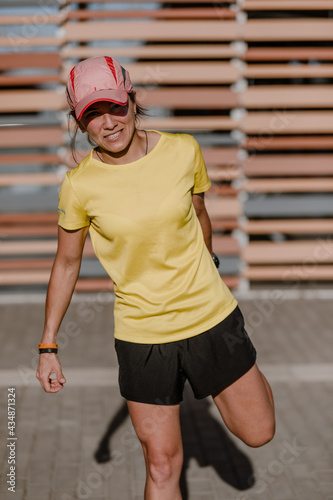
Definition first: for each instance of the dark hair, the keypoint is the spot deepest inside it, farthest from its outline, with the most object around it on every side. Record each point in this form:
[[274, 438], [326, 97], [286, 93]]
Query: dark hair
[[140, 111]]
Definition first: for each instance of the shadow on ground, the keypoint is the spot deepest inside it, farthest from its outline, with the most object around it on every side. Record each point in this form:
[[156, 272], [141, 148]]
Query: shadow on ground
[[204, 439]]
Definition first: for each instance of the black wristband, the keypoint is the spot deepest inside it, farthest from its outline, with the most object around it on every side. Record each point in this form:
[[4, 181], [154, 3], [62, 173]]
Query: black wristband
[[48, 349], [216, 260]]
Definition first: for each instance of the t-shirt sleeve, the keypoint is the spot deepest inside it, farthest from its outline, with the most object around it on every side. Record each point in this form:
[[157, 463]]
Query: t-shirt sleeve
[[70, 211], [201, 179]]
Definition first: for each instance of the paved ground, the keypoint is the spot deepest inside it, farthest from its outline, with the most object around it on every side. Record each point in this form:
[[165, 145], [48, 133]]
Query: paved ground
[[59, 436]]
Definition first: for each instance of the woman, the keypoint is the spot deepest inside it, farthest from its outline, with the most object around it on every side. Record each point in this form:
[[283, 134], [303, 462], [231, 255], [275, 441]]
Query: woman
[[141, 195]]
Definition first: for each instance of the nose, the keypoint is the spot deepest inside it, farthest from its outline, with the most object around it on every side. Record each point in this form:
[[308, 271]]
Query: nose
[[108, 121]]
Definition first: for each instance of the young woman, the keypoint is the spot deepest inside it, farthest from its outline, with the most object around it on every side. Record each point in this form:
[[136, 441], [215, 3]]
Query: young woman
[[140, 193]]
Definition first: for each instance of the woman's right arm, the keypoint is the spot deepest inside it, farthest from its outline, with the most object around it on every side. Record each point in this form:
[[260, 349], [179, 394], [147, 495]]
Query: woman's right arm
[[64, 274]]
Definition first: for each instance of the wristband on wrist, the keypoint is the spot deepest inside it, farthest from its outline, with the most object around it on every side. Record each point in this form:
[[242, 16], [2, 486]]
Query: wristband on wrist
[[52, 347]]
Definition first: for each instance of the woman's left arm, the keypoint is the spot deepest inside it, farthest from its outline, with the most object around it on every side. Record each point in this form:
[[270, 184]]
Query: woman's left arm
[[200, 208]]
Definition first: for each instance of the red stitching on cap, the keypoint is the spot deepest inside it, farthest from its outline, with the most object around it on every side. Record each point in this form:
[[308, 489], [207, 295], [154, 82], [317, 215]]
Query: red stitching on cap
[[72, 75], [109, 62]]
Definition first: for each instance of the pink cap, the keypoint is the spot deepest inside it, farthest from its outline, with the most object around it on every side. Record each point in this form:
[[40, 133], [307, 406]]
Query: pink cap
[[97, 79]]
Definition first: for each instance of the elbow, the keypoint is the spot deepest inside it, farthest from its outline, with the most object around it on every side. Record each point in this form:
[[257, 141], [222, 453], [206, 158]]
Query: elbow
[[69, 265]]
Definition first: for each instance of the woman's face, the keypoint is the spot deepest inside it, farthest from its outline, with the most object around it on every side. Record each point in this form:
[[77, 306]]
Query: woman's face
[[110, 125]]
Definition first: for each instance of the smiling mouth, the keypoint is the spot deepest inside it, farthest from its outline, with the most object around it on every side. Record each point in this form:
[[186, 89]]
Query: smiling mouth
[[113, 137]]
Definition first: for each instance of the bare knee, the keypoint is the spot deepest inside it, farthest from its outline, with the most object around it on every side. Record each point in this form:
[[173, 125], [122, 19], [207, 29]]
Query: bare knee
[[164, 468], [260, 436]]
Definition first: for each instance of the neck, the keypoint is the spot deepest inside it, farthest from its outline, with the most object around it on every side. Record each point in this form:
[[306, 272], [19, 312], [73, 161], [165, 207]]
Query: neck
[[136, 149]]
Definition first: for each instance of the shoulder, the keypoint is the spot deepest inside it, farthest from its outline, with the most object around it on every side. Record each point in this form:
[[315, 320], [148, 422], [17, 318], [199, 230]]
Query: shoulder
[[183, 140], [80, 168]]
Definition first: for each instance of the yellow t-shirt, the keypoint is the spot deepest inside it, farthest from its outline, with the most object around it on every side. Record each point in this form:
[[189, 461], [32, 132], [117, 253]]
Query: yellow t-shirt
[[147, 236]]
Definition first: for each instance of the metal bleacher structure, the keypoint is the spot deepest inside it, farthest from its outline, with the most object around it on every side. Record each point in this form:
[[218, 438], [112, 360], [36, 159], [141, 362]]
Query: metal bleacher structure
[[250, 79]]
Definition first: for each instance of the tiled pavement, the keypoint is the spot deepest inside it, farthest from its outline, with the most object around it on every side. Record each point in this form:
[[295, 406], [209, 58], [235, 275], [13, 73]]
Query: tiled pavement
[[59, 435]]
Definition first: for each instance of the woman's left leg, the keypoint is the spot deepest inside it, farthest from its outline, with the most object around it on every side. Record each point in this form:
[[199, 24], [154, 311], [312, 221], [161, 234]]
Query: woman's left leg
[[247, 408]]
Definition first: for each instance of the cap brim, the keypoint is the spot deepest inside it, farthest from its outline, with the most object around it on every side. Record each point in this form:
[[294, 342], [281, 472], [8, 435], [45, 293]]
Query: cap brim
[[117, 96]]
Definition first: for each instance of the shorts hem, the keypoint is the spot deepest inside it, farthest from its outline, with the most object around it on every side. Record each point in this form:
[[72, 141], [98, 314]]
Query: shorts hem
[[156, 402], [220, 389]]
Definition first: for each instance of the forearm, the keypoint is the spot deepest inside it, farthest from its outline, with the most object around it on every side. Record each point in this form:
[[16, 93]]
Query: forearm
[[61, 286]]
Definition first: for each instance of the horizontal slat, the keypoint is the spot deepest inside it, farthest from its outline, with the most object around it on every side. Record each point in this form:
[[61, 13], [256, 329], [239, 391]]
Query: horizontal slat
[[30, 60], [41, 277], [267, 142], [220, 156], [287, 5], [41, 179], [288, 30], [288, 53], [33, 20], [285, 206], [190, 123], [284, 96], [289, 165], [28, 224], [21, 80], [223, 190], [181, 13], [29, 218], [161, 31], [26, 277], [288, 122], [225, 245], [224, 224], [25, 264], [223, 208], [178, 73], [227, 174], [288, 226], [26, 158], [16, 42], [294, 185], [288, 273], [138, 1], [16, 231], [31, 137], [288, 71], [252, 30], [18, 3], [291, 252], [32, 100], [160, 51], [37, 247], [189, 98]]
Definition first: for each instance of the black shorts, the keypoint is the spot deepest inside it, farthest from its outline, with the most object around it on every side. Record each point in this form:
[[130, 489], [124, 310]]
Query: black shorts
[[156, 373]]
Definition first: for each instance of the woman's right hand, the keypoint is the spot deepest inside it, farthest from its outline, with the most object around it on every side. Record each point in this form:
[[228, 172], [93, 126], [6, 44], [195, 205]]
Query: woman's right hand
[[49, 364]]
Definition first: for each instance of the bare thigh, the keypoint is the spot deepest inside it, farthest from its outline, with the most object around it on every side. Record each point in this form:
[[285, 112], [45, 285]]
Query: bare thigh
[[157, 427], [247, 408]]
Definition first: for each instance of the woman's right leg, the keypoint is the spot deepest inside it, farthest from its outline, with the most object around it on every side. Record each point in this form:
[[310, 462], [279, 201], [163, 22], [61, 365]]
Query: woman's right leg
[[158, 429]]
